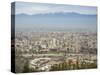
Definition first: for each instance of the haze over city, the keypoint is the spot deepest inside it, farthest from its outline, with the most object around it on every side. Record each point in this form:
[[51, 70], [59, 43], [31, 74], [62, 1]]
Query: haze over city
[[54, 17], [54, 37]]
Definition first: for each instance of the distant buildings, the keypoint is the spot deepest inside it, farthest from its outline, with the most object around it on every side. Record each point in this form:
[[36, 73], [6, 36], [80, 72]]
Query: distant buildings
[[45, 49]]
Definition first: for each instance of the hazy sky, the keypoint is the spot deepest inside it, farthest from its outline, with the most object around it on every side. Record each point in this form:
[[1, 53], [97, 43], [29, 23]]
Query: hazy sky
[[42, 8], [52, 21]]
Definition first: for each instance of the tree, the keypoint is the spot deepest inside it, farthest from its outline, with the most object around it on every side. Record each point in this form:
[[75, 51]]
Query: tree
[[26, 67]]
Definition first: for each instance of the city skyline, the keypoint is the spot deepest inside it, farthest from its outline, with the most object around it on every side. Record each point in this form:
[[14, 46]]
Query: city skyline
[[53, 37]]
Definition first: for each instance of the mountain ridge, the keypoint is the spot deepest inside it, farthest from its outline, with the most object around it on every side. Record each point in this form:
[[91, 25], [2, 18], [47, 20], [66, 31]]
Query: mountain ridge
[[60, 13]]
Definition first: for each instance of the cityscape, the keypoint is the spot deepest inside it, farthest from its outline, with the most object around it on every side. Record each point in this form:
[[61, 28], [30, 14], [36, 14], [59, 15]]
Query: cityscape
[[45, 50], [54, 37]]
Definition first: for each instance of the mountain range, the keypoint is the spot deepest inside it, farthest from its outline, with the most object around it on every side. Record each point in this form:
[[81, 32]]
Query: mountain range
[[55, 21]]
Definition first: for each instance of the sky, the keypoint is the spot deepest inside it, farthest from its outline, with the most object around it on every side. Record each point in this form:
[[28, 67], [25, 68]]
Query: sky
[[50, 21], [44, 8]]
